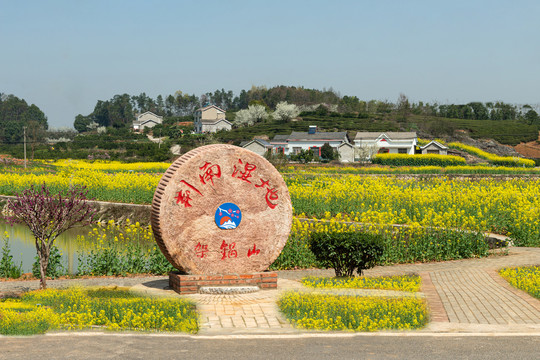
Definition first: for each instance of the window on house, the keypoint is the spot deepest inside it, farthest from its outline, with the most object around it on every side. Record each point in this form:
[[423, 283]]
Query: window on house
[[433, 152], [402, 151], [296, 150], [383, 151]]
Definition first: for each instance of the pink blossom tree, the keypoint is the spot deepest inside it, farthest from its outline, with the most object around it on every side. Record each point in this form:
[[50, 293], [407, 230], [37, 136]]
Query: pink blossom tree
[[47, 216]]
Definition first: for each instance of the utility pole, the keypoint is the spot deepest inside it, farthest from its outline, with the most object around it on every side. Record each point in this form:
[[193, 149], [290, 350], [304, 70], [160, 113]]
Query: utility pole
[[24, 136]]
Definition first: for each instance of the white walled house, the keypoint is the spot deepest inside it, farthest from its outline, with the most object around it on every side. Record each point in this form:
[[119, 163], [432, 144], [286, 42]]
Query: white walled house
[[210, 119], [346, 152], [386, 142], [258, 146], [314, 140], [297, 141], [146, 120], [434, 147], [279, 143]]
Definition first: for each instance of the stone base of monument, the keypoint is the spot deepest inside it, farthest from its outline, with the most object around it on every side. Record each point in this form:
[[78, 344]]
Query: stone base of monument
[[221, 284]]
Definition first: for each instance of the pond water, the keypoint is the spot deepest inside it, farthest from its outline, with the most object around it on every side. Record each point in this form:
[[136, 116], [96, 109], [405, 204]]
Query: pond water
[[23, 248]]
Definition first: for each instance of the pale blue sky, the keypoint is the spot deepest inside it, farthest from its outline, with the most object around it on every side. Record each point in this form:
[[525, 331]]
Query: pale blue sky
[[65, 55]]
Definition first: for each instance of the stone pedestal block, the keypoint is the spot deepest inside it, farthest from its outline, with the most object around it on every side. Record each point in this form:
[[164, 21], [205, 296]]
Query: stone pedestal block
[[190, 284]]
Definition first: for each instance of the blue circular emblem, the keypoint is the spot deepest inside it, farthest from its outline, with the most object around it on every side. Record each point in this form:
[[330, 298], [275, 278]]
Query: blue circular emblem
[[228, 216]]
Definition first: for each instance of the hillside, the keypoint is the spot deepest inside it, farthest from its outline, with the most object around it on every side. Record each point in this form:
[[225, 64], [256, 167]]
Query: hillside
[[508, 132], [530, 149]]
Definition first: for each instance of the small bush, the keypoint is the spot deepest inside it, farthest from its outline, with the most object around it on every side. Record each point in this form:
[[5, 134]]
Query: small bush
[[346, 251]]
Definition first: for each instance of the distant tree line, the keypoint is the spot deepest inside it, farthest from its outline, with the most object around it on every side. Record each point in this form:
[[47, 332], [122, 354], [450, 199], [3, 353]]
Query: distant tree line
[[121, 110], [18, 118]]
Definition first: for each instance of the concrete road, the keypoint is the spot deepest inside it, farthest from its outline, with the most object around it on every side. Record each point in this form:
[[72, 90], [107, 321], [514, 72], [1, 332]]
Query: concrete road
[[374, 346]]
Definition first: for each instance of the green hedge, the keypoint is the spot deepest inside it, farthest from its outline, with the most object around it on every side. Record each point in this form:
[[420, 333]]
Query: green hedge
[[417, 160]]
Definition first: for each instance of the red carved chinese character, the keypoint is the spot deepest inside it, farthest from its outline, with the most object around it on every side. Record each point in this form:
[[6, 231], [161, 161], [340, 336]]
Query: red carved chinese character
[[183, 198], [227, 250], [201, 250], [271, 195], [191, 187], [210, 172], [244, 175], [254, 251], [264, 183]]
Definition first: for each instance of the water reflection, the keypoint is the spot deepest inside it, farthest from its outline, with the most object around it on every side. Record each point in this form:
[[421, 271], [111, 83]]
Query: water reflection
[[23, 248]]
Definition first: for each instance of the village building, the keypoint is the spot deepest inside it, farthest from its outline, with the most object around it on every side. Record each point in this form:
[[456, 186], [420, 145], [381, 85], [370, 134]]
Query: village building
[[386, 142], [258, 146], [279, 143], [434, 147], [313, 140], [146, 120], [210, 119], [346, 152]]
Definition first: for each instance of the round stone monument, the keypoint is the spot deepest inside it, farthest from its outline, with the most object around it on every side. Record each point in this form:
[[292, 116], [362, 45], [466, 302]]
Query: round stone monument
[[221, 209]]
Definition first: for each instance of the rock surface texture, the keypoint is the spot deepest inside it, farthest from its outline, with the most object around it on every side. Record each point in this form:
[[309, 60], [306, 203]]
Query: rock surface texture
[[221, 209]]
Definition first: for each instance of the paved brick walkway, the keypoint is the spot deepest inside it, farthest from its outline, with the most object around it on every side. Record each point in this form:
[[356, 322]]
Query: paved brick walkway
[[473, 296], [463, 295]]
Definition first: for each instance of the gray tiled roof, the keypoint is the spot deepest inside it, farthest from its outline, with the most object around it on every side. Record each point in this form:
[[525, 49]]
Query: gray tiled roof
[[372, 135], [296, 135], [213, 121], [436, 143], [260, 141], [280, 138]]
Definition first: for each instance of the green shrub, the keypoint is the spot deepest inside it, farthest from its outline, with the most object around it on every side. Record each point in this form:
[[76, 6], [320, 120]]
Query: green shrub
[[8, 269], [346, 251], [295, 255], [304, 156]]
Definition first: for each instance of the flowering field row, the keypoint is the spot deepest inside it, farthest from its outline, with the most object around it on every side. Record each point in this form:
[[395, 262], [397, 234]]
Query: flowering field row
[[399, 282], [292, 171], [492, 158], [417, 160], [503, 206], [110, 166], [117, 187], [120, 249], [39, 311], [331, 312], [524, 278]]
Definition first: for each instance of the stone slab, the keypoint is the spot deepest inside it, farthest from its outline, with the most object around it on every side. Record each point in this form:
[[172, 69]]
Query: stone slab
[[189, 211]]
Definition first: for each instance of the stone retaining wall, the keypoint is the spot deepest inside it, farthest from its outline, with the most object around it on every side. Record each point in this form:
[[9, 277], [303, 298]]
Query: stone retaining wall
[[109, 211]]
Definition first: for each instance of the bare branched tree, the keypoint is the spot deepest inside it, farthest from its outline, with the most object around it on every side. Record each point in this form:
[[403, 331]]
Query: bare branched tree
[[47, 216]]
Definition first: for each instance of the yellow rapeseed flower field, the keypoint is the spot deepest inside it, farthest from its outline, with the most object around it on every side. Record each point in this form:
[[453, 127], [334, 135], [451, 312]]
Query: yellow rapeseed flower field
[[486, 204], [507, 206]]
